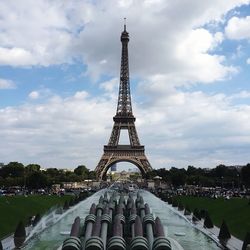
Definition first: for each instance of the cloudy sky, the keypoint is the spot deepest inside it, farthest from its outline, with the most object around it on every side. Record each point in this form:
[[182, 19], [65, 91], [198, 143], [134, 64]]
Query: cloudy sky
[[189, 69]]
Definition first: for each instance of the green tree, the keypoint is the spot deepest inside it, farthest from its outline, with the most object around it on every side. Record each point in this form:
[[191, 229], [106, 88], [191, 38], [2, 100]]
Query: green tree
[[82, 171], [12, 169], [52, 172], [151, 174], [178, 176], [37, 180], [92, 175], [191, 170], [221, 171], [245, 175], [32, 168]]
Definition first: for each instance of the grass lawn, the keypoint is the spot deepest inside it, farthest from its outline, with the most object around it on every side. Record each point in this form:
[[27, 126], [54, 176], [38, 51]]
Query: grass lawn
[[16, 208], [235, 211]]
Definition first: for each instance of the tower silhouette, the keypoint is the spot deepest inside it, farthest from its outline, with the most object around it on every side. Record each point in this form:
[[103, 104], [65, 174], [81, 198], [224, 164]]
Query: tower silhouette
[[123, 120]]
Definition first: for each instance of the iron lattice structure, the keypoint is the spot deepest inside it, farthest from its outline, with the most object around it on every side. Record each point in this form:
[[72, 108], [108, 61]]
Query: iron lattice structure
[[124, 119]]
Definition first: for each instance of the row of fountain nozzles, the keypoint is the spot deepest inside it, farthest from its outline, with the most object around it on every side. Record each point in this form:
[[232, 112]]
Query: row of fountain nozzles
[[118, 226]]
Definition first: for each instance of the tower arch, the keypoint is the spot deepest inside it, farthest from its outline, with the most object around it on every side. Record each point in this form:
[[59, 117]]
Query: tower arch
[[135, 163]]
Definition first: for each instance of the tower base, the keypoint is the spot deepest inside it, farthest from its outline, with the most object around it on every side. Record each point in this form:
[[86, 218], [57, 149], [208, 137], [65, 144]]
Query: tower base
[[124, 153]]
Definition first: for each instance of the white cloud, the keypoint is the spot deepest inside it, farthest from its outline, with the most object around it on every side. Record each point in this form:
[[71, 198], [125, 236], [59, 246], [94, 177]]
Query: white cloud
[[59, 132], [42, 93], [81, 95], [40, 33], [111, 85], [195, 62], [34, 95], [15, 57], [248, 61], [195, 128], [241, 95], [7, 84], [80, 29], [192, 128], [238, 28], [157, 38]]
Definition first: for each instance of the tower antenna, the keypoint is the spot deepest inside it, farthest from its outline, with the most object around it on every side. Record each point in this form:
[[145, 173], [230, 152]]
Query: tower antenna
[[124, 23]]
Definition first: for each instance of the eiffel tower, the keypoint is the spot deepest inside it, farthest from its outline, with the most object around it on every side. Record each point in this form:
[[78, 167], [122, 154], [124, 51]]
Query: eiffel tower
[[124, 119]]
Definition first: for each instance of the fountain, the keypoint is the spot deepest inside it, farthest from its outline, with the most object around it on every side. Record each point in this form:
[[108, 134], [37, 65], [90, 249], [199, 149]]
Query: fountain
[[46, 221], [52, 237]]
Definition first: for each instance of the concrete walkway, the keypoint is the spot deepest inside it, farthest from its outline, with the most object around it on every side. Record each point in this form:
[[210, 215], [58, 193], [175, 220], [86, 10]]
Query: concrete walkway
[[8, 242], [232, 244]]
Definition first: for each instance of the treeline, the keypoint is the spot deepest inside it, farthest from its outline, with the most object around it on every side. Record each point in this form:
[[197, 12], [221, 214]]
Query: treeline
[[227, 177], [33, 177]]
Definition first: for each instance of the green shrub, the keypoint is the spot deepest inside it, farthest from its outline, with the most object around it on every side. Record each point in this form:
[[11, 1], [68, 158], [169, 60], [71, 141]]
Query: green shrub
[[170, 200], [36, 220], [66, 205], [224, 232], [180, 206], [187, 210], [72, 202], [19, 235], [208, 222], [197, 213], [235, 211], [203, 213], [175, 203]]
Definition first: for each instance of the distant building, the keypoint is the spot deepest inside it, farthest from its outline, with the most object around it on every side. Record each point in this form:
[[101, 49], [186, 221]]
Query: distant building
[[124, 176], [151, 184], [113, 168], [1, 164]]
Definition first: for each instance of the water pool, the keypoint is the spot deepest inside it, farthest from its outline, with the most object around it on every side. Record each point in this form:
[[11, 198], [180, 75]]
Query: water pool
[[51, 238]]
